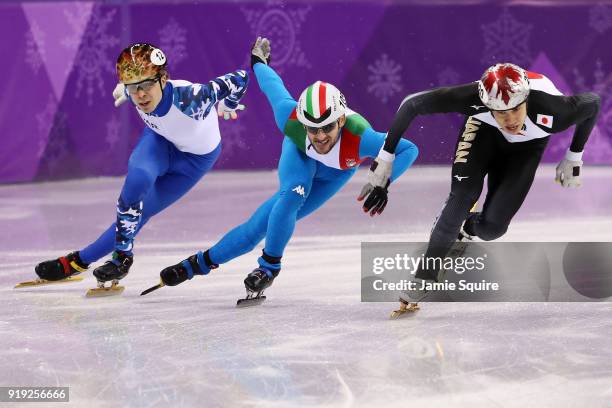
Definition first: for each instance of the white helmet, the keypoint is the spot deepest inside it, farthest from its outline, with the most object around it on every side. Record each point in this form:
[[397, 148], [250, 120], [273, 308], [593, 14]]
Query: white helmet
[[503, 87], [320, 104]]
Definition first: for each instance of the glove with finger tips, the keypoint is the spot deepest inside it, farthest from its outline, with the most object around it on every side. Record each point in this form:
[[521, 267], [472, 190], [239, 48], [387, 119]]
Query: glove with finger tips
[[227, 112], [377, 198], [568, 173], [119, 94], [260, 52]]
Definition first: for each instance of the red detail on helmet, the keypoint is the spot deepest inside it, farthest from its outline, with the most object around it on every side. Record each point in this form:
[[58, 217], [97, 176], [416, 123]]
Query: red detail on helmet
[[322, 97], [500, 76], [534, 75]]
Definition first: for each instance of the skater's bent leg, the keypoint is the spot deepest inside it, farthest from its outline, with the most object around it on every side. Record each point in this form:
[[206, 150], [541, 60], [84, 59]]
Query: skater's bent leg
[[101, 247], [245, 237], [296, 172], [508, 185], [149, 160], [447, 228], [324, 189]]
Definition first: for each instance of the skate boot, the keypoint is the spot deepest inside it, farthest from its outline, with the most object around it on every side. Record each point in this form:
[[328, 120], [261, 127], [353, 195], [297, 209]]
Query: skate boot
[[197, 264], [113, 270], [409, 299], [255, 283], [60, 270]]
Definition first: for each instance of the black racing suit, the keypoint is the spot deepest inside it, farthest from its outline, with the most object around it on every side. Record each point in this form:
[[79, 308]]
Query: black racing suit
[[484, 149]]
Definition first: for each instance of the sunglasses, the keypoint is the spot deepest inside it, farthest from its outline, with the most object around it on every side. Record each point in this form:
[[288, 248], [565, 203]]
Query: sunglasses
[[325, 129], [145, 85]]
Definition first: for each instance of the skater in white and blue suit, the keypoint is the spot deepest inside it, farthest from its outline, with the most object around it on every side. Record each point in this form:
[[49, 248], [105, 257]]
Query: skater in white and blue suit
[[179, 145]]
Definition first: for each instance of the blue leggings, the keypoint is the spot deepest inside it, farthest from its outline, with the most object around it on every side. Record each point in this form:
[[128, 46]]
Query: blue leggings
[[305, 185], [158, 174]]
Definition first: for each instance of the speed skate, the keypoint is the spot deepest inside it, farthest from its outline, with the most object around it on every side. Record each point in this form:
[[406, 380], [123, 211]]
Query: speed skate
[[102, 290], [44, 282]]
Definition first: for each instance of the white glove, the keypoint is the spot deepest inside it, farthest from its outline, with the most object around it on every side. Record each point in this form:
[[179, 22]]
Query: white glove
[[568, 173], [228, 113], [119, 95], [380, 170], [261, 49]]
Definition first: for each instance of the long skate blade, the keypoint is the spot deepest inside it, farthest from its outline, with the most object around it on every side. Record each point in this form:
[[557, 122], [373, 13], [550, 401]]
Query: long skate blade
[[404, 308], [106, 291], [42, 282], [152, 288], [250, 302]]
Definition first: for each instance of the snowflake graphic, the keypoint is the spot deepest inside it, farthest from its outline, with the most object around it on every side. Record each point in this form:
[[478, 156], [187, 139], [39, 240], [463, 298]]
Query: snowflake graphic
[[92, 59], [113, 127], [448, 76], [282, 28], [173, 41], [384, 78], [44, 120], [35, 52], [506, 40], [77, 15], [600, 18], [233, 138]]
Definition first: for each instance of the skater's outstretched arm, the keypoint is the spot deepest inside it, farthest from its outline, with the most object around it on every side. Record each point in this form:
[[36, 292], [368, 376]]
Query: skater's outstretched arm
[[196, 100], [273, 87], [406, 151], [580, 110], [371, 142], [461, 99]]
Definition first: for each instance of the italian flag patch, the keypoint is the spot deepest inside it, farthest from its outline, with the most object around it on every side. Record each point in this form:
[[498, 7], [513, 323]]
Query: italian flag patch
[[544, 120]]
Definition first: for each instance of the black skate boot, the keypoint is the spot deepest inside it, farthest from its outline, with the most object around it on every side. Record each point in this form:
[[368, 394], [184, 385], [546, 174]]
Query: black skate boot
[[114, 269], [61, 268], [255, 283], [260, 279], [197, 264]]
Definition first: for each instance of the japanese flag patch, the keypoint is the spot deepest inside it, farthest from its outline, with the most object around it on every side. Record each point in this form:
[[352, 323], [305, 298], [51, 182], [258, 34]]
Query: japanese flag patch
[[545, 120]]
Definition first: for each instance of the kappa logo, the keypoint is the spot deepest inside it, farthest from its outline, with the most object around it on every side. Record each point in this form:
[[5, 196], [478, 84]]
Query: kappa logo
[[468, 136], [460, 177], [299, 190]]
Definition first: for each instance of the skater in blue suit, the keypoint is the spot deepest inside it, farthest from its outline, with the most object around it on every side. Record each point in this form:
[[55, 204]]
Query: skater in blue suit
[[179, 145], [324, 144]]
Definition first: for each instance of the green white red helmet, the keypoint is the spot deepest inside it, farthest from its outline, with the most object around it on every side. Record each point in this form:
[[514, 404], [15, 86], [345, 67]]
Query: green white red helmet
[[503, 87], [320, 104]]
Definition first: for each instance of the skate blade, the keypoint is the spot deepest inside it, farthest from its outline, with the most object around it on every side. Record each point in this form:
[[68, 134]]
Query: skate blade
[[43, 282], [404, 308], [106, 291], [250, 302]]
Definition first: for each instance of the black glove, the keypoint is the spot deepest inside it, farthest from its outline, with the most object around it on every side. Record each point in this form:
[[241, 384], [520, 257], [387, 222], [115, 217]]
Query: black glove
[[377, 198]]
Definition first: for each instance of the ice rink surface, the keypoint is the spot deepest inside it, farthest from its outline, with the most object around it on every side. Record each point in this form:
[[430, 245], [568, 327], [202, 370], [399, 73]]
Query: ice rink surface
[[313, 343]]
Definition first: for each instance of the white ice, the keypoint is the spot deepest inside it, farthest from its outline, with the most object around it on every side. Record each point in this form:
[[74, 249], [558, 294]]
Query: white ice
[[313, 343]]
